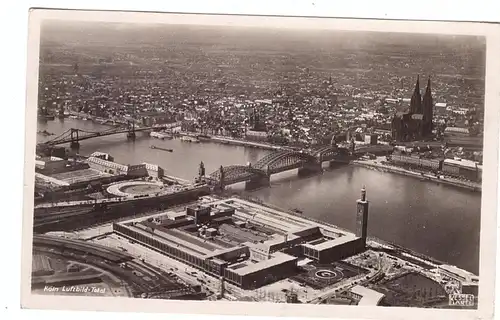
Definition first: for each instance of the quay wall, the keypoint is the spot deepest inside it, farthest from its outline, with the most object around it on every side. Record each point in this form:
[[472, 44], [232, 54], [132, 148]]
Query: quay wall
[[447, 181], [386, 244], [235, 142]]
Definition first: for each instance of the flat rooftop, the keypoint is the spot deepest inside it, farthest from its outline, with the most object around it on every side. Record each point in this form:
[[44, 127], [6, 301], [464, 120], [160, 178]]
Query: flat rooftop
[[369, 297], [264, 229], [248, 267], [79, 175], [331, 243], [280, 221], [170, 239]]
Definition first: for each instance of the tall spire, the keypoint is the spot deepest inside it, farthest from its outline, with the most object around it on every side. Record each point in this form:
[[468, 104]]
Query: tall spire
[[428, 105], [363, 194], [416, 99]]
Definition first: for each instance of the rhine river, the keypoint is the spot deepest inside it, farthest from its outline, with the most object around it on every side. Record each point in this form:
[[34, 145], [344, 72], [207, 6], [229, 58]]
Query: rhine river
[[440, 221]]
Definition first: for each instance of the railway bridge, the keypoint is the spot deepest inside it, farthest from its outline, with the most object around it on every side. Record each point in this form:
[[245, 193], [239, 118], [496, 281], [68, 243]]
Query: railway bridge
[[257, 175]]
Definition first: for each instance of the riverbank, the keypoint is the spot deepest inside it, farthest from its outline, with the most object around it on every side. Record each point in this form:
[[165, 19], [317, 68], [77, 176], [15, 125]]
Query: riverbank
[[373, 242], [370, 164], [207, 138], [244, 143]]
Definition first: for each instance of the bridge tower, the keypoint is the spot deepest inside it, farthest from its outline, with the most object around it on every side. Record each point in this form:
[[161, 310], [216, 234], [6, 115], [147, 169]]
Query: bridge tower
[[222, 177], [131, 130], [201, 170], [311, 167], [74, 144], [333, 163], [352, 146]]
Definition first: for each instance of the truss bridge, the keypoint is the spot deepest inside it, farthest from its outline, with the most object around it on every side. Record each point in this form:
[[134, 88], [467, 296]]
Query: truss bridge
[[258, 174]]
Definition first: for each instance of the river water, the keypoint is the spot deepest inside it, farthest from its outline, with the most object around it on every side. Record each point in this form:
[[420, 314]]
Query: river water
[[440, 221]]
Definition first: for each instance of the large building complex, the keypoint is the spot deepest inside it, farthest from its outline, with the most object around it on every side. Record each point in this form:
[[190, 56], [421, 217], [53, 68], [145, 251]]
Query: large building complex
[[245, 243], [416, 124], [457, 168]]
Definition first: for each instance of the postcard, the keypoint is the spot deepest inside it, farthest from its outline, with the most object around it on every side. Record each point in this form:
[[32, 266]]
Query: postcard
[[314, 167]]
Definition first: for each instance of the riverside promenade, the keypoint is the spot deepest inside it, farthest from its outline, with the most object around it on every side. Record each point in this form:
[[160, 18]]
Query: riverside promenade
[[237, 142], [377, 165]]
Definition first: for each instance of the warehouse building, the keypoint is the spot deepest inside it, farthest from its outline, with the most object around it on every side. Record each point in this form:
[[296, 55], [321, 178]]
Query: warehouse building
[[154, 170], [416, 161], [463, 168], [111, 167], [249, 275], [50, 164], [333, 250]]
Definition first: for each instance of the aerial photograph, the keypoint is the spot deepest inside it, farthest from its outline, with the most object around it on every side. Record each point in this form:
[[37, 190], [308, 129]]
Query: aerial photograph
[[259, 164]]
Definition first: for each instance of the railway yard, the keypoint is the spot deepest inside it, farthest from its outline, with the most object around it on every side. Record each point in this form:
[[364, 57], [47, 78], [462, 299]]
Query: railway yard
[[76, 265]]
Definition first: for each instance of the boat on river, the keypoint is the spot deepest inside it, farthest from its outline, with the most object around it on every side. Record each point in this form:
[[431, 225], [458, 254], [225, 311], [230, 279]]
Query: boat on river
[[190, 139], [162, 149], [161, 135]]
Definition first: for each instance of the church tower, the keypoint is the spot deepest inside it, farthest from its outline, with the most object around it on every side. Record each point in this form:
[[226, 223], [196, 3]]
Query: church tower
[[428, 105], [362, 217], [416, 99]]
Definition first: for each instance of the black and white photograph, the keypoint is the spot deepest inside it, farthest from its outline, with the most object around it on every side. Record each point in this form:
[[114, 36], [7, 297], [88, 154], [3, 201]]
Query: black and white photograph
[[262, 160]]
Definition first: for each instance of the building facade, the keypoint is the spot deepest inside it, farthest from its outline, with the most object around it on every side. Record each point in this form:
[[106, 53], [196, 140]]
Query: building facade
[[467, 169], [216, 240], [114, 168]]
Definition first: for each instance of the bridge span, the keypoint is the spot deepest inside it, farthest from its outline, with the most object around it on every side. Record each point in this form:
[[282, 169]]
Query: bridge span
[[259, 174], [74, 136]]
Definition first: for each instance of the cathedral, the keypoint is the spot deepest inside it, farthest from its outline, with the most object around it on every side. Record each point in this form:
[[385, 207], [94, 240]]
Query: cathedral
[[416, 124]]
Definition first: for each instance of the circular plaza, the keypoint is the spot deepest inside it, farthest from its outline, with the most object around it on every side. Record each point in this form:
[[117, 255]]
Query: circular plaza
[[331, 275], [135, 188]]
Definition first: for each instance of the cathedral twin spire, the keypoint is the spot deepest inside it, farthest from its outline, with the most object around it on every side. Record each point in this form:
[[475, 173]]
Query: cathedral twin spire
[[417, 123], [428, 108], [419, 105], [416, 99], [423, 106]]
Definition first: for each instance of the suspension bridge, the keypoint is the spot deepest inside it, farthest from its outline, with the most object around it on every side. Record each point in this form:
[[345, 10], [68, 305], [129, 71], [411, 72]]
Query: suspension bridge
[[258, 174], [74, 136]]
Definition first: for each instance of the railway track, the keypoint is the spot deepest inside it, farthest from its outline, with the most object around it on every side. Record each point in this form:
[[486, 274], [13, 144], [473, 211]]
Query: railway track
[[142, 278]]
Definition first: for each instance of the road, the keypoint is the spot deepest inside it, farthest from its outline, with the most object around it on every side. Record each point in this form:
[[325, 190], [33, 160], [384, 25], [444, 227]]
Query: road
[[184, 272]]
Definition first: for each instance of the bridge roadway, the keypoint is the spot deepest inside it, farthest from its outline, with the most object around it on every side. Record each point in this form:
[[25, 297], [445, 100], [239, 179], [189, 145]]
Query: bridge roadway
[[258, 174]]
